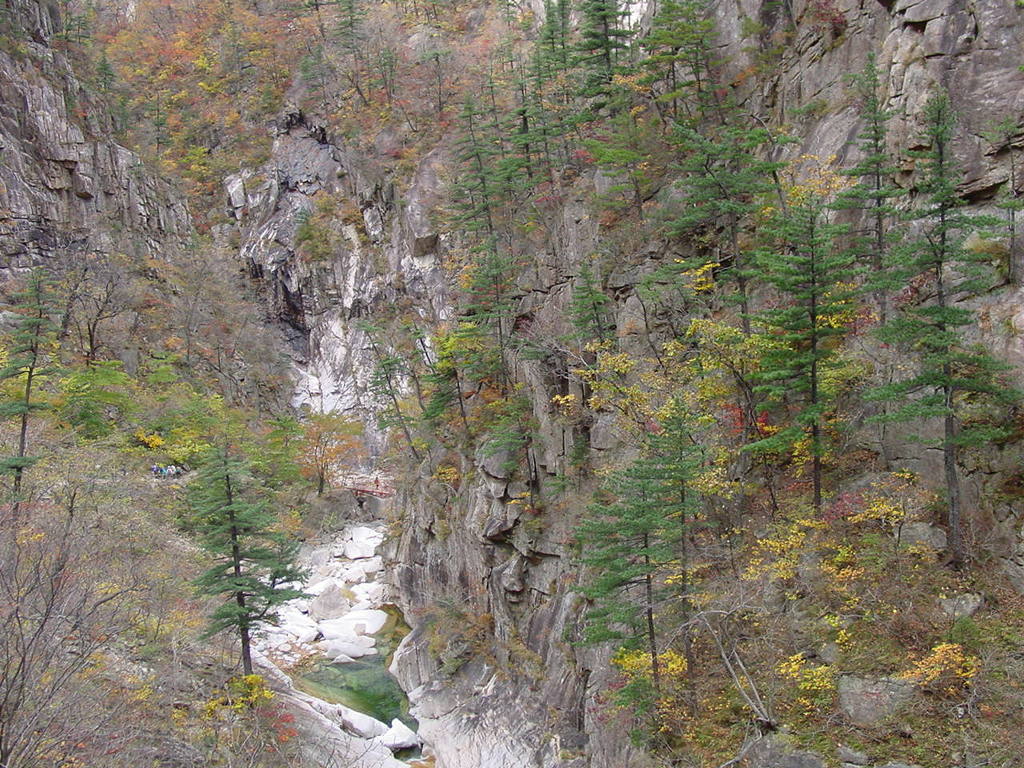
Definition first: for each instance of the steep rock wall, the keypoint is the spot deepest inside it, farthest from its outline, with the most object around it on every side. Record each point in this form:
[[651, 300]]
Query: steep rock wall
[[65, 185], [385, 251]]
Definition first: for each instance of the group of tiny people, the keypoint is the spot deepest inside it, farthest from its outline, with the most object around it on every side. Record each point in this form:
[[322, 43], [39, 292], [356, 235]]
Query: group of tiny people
[[172, 470]]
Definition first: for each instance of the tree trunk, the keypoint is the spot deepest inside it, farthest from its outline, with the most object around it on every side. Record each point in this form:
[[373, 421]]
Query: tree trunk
[[243, 634], [652, 641], [687, 607], [236, 563], [815, 426], [950, 461]]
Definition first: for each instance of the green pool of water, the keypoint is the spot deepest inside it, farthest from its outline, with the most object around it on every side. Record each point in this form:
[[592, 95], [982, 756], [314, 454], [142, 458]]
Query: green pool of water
[[364, 684]]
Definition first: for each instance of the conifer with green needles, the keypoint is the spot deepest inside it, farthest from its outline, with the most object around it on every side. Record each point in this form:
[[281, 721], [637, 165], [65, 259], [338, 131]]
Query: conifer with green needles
[[680, 57], [813, 278], [254, 570], [953, 379], [30, 359], [726, 176], [635, 543], [603, 43], [874, 193], [590, 309]]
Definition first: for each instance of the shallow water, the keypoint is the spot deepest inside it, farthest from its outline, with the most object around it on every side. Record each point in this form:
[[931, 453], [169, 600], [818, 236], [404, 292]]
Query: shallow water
[[364, 684]]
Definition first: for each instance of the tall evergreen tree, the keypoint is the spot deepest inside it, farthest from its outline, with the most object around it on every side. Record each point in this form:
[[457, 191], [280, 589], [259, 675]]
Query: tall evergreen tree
[[489, 302], [386, 385], [477, 194], [874, 195], [624, 547], [29, 359], [874, 192], [553, 76], [351, 36], [630, 146], [813, 278], [675, 458], [635, 541], [254, 562], [679, 62], [445, 377], [724, 158], [589, 309], [952, 376], [602, 45]]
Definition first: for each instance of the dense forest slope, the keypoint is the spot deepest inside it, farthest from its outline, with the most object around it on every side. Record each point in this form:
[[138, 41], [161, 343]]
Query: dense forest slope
[[689, 336]]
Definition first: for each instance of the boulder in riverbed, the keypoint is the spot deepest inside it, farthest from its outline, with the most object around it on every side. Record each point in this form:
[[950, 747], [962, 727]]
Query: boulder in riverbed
[[399, 736], [331, 603]]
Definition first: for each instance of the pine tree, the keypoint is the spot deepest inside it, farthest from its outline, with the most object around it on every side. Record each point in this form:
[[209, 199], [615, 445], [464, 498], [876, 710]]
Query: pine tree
[[445, 379], [553, 76], [29, 360], [635, 540], [679, 58], [602, 45], [874, 196], [105, 74], [386, 384], [477, 188], [318, 72], [873, 193], [726, 177], [630, 146], [493, 178], [953, 377], [254, 562], [554, 38], [351, 37], [524, 126], [589, 309], [675, 459], [623, 545], [489, 300], [813, 278]]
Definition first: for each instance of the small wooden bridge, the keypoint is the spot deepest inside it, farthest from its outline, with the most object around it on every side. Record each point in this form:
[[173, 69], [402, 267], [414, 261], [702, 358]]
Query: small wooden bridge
[[380, 493]]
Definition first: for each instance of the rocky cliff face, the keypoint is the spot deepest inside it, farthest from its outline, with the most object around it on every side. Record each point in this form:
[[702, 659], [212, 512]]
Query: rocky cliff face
[[383, 250], [65, 185], [495, 568]]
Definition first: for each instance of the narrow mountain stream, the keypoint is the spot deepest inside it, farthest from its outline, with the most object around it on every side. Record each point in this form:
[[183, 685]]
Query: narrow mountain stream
[[331, 650], [364, 684]]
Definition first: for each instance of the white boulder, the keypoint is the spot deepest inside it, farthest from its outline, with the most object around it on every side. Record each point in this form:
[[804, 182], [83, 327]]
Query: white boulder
[[315, 587], [399, 736], [369, 594], [303, 635], [331, 603], [343, 651], [354, 624], [362, 542], [360, 724], [373, 565], [368, 621], [352, 572]]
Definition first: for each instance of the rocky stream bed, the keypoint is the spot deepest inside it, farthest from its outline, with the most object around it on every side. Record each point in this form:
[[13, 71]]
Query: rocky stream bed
[[328, 657]]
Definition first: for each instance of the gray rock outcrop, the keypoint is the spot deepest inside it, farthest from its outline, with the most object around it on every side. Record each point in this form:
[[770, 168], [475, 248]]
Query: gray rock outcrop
[[65, 184], [867, 702], [775, 752], [850, 756], [961, 606], [923, 534]]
